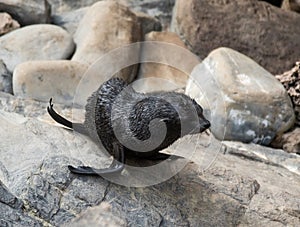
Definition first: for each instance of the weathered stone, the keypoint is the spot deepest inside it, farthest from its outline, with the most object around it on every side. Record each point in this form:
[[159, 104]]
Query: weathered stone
[[106, 26], [42, 80], [11, 213], [154, 8], [289, 142], [96, 216], [234, 191], [291, 82], [61, 6], [7, 24], [267, 34], [157, 76], [293, 5], [247, 103], [36, 12], [5, 79], [37, 42], [70, 20], [148, 23]]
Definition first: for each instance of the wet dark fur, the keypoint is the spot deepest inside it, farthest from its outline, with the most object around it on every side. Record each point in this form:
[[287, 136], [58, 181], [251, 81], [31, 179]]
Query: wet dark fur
[[141, 109]]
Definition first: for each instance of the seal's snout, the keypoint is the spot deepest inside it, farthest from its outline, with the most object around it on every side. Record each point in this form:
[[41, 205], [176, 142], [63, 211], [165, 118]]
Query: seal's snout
[[204, 125]]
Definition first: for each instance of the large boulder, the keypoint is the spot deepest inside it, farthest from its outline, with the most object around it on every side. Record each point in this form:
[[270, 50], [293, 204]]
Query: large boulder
[[245, 186], [26, 13], [35, 42], [267, 34], [42, 80], [247, 103], [106, 25]]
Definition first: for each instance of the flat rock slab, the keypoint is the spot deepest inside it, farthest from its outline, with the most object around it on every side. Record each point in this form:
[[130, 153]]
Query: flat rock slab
[[36, 42], [247, 103], [37, 12], [250, 25], [42, 80]]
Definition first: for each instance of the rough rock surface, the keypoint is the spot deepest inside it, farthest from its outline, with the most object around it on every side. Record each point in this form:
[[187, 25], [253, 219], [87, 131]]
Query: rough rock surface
[[70, 20], [159, 76], [245, 186], [155, 8], [37, 42], [7, 24], [254, 28], [5, 79], [291, 82], [232, 88], [35, 12], [148, 23], [60, 6], [42, 80], [95, 216], [289, 141]]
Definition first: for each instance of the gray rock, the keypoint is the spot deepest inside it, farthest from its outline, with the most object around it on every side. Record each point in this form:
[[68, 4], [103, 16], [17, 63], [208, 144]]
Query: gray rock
[[7, 24], [70, 20], [5, 79], [267, 34], [42, 80], [246, 185], [11, 213], [247, 103], [95, 216], [61, 6], [37, 42], [36, 12]]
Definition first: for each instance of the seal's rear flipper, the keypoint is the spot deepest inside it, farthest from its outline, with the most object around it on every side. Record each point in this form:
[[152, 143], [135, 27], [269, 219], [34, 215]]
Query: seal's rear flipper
[[116, 166]]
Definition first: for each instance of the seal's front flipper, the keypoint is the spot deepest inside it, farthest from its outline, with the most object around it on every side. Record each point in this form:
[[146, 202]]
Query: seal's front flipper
[[116, 166]]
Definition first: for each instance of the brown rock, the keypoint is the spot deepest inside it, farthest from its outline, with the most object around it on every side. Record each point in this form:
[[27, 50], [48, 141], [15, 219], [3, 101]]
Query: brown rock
[[161, 76], [7, 24], [291, 82], [293, 5], [25, 12], [265, 33]]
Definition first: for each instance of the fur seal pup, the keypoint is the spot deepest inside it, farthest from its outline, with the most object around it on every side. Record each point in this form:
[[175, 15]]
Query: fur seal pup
[[128, 123]]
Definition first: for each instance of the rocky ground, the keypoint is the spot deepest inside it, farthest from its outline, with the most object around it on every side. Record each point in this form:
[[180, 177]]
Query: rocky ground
[[225, 54]]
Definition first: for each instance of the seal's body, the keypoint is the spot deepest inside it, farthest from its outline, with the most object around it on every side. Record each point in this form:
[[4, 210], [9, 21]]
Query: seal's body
[[128, 123]]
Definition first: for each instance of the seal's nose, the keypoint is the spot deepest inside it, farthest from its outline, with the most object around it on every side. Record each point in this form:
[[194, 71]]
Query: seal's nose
[[205, 125]]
